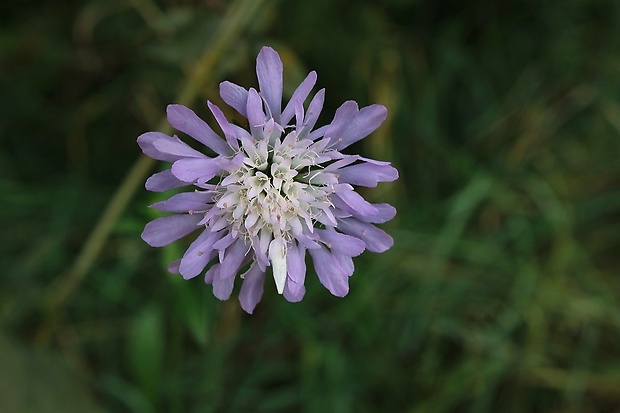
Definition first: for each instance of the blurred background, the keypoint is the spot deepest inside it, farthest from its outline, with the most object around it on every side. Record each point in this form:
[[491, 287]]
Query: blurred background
[[501, 293]]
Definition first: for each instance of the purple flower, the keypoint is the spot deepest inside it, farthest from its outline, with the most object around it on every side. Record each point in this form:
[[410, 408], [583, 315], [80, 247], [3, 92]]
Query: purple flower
[[270, 193]]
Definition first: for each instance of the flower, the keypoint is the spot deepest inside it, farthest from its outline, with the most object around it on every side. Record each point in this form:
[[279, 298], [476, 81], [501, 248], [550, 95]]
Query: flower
[[270, 193]]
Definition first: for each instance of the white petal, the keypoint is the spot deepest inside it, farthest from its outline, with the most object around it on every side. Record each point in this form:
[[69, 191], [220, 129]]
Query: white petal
[[277, 255]]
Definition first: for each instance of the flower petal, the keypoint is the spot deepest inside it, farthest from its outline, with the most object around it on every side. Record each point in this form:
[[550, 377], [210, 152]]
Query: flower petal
[[376, 239], [198, 255], [365, 122], [386, 213], [222, 286], [173, 267], [192, 169], [312, 115], [299, 115], [176, 147], [185, 202], [225, 242], [146, 143], [293, 295], [242, 135], [233, 258], [235, 96], [269, 73], [300, 95], [343, 160], [162, 231], [210, 274], [296, 267], [343, 117], [367, 174], [256, 116], [330, 273], [229, 131], [277, 256], [355, 200], [341, 243], [163, 181], [317, 133], [186, 121], [252, 288], [346, 262]]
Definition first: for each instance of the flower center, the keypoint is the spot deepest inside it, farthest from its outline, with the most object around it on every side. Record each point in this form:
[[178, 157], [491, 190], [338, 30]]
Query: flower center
[[277, 190]]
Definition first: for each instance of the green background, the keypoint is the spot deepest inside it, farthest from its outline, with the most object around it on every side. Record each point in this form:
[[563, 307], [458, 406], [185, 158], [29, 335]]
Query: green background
[[501, 293]]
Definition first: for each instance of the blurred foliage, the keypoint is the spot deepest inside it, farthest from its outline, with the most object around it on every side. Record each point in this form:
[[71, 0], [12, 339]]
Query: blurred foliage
[[501, 293]]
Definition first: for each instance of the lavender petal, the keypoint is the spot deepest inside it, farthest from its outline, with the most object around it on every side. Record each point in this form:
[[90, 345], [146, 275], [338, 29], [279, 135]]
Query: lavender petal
[[366, 174], [222, 286], [162, 231], [173, 267], [229, 131], [186, 121], [385, 214], [296, 267], [314, 110], [346, 262], [252, 288], [293, 294], [355, 201], [341, 243], [235, 96], [254, 109], [210, 274], [317, 133], [343, 117], [376, 240], [198, 255], [365, 122], [175, 147], [269, 73], [224, 242], [331, 274], [192, 169], [146, 143], [185, 202], [233, 259], [300, 95], [163, 181]]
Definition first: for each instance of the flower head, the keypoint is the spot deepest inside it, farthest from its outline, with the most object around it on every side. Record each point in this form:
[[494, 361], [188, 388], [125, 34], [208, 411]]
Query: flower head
[[271, 193]]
